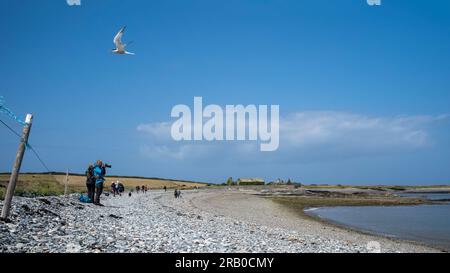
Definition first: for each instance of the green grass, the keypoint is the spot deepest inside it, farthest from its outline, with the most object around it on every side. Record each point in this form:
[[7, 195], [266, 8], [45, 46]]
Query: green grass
[[45, 184], [31, 186]]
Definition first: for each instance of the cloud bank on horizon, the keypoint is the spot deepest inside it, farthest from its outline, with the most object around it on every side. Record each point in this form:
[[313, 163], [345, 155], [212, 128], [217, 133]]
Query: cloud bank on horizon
[[306, 137]]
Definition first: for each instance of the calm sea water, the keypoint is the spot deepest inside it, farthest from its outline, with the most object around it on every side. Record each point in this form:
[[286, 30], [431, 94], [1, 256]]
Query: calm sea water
[[428, 224], [430, 196]]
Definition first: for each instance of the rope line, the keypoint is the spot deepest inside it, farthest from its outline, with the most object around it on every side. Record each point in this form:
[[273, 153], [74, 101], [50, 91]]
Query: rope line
[[5, 110], [8, 112]]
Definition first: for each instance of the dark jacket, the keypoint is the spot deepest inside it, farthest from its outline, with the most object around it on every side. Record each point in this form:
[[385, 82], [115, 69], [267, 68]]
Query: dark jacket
[[90, 179]]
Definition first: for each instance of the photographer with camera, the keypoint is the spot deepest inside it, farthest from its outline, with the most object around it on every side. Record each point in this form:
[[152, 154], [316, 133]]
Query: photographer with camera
[[99, 174]]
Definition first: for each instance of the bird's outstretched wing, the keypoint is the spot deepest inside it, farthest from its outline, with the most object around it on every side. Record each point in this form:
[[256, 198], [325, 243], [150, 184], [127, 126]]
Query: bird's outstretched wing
[[118, 38]]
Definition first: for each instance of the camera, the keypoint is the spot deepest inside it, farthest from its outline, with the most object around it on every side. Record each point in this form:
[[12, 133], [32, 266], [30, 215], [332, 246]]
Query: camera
[[107, 165]]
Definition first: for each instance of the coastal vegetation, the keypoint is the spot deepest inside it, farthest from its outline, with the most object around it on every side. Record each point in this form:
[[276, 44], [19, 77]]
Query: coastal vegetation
[[47, 184]]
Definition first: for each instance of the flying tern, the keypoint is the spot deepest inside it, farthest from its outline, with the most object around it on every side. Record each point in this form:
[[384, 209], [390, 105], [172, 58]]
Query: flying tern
[[120, 48]]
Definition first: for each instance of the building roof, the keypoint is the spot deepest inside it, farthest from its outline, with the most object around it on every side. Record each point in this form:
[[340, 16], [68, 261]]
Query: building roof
[[248, 180]]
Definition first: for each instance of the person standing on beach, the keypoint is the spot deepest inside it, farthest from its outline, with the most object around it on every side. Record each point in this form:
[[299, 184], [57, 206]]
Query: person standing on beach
[[90, 183], [99, 174]]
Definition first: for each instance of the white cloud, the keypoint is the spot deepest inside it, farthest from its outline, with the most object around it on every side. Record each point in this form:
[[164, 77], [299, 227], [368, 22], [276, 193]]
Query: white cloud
[[73, 2], [305, 136], [160, 144], [340, 128], [157, 130]]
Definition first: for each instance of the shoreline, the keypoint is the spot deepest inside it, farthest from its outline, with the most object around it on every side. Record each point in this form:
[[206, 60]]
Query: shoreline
[[350, 228], [302, 212], [302, 222]]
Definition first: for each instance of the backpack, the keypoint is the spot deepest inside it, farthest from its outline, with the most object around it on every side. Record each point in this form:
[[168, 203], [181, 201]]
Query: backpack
[[85, 199], [90, 179]]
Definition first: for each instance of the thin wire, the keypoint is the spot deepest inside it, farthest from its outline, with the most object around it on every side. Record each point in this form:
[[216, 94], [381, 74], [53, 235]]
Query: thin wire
[[28, 146], [39, 158], [8, 112], [11, 129]]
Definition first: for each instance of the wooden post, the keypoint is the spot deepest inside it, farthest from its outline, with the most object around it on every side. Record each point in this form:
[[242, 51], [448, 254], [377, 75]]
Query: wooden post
[[67, 182], [16, 168]]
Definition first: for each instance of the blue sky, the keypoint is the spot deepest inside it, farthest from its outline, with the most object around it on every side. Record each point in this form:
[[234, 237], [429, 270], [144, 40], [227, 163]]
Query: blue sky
[[363, 91]]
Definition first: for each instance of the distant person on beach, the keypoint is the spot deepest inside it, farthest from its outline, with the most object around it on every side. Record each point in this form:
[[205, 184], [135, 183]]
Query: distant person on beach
[[113, 189], [175, 193], [90, 183], [137, 189], [99, 174], [118, 188], [165, 188], [143, 189]]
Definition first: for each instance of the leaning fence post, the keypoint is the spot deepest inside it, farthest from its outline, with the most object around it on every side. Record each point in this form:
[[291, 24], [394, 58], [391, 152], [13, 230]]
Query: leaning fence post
[[16, 168]]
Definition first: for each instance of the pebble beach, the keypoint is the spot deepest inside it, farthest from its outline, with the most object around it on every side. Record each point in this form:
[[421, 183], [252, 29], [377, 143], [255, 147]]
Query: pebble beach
[[205, 220]]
